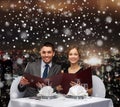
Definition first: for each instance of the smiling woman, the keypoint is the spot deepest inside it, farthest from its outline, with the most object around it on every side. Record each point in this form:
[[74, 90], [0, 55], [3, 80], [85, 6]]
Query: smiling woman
[[74, 56]]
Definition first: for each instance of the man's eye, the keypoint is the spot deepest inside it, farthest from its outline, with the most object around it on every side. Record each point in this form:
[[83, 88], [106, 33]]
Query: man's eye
[[43, 52], [49, 52]]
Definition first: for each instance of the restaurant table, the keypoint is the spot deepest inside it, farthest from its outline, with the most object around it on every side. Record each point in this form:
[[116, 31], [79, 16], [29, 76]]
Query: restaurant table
[[61, 101]]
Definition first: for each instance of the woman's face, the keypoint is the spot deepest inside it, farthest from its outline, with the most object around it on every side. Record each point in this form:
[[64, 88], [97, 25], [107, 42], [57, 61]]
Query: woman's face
[[73, 56]]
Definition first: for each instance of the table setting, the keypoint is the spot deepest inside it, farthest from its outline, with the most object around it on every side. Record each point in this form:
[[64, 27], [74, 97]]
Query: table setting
[[77, 96], [77, 92]]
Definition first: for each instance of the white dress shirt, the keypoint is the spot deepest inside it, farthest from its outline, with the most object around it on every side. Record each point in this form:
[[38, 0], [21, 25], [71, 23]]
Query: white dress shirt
[[43, 67]]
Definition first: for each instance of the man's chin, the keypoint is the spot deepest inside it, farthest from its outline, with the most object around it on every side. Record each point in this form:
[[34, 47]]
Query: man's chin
[[47, 61]]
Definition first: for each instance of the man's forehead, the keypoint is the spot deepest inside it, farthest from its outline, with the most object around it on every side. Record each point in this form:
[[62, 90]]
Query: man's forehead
[[46, 48]]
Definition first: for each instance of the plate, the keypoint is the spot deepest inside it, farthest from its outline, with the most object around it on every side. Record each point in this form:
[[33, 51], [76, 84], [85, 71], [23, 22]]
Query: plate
[[49, 97], [43, 97], [36, 98], [75, 97]]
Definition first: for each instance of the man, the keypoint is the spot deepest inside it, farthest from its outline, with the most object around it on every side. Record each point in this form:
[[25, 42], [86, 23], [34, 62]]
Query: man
[[37, 68]]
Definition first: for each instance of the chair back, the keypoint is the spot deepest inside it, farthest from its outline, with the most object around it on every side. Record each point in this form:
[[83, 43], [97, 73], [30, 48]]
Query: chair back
[[98, 87], [14, 92]]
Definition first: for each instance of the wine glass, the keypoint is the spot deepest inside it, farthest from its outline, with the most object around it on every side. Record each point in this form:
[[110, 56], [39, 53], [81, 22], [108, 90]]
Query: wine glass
[[39, 87], [77, 81], [85, 85], [48, 82]]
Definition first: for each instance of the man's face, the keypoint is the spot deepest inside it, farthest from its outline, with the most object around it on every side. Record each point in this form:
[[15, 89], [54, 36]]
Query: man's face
[[47, 54]]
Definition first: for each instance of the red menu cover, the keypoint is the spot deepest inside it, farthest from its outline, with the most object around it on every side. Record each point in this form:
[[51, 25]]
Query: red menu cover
[[33, 79], [63, 79], [67, 78], [85, 76], [54, 80]]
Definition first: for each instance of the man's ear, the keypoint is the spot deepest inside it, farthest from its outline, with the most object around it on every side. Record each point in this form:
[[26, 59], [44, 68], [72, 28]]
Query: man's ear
[[40, 52], [54, 54]]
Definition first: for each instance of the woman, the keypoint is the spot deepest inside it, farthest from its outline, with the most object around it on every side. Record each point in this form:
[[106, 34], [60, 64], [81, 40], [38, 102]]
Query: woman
[[74, 58]]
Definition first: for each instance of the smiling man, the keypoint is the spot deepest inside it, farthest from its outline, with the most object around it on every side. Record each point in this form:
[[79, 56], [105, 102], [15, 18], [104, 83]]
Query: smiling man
[[44, 67]]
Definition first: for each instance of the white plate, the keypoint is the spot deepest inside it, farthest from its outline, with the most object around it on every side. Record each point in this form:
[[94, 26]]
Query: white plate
[[75, 97], [49, 97]]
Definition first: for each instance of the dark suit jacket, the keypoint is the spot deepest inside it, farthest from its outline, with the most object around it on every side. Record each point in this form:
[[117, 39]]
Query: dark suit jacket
[[34, 68]]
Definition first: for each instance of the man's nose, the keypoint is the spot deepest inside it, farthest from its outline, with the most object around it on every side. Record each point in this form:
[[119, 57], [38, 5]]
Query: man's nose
[[46, 54]]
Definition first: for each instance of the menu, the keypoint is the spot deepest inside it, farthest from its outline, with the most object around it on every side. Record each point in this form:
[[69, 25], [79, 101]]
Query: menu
[[63, 79]]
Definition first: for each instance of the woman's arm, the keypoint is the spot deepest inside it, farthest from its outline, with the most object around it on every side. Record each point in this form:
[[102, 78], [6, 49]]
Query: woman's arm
[[89, 91]]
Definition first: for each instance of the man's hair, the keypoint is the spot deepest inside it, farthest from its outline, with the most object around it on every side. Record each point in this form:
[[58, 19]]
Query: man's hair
[[48, 44]]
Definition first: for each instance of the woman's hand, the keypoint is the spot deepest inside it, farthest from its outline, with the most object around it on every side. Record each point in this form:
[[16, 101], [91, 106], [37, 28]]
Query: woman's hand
[[72, 83]]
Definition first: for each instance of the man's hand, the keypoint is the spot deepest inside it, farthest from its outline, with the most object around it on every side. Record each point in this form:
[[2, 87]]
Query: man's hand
[[24, 81], [40, 85]]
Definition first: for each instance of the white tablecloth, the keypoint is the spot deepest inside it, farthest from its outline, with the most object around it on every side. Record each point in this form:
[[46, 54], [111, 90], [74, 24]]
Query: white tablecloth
[[61, 102]]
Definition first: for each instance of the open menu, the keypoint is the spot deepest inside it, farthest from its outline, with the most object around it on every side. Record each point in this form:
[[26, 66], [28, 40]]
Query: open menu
[[62, 79]]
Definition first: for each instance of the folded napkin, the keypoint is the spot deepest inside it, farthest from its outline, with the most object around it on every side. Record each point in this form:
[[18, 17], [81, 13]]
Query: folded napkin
[[77, 90], [46, 91]]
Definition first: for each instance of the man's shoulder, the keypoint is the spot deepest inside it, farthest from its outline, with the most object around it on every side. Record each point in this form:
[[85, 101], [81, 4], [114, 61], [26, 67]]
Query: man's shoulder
[[38, 61], [56, 66]]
